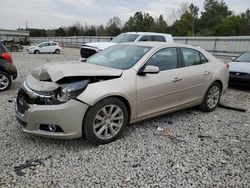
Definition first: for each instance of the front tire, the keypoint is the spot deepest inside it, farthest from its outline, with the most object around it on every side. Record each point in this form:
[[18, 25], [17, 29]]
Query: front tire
[[211, 98], [5, 81], [36, 52], [105, 121]]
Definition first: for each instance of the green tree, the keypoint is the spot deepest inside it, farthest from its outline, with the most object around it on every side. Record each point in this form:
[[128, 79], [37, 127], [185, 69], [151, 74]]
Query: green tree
[[215, 12], [140, 22], [60, 32], [186, 24], [73, 31], [91, 31], [229, 27], [245, 23], [160, 25], [113, 30]]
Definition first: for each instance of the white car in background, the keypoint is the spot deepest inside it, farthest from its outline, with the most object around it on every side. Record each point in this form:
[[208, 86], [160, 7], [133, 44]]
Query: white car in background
[[46, 47], [90, 49]]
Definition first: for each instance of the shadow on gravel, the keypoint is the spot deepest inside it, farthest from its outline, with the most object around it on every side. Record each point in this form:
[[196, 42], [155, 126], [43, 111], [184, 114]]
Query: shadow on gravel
[[240, 87]]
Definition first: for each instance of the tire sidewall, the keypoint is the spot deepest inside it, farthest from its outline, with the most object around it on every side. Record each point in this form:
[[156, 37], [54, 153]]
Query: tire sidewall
[[57, 51], [36, 52], [9, 78], [205, 106], [90, 115]]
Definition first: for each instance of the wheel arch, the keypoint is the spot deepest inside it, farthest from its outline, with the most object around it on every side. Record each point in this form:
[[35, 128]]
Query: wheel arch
[[219, 82], [121, 98]]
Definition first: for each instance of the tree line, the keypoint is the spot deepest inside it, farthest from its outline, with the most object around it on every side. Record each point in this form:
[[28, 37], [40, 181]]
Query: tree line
[[215, 20]]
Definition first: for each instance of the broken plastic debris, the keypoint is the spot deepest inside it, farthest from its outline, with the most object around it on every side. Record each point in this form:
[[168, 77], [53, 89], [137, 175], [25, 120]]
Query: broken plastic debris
[[240, 109], [28, 163]]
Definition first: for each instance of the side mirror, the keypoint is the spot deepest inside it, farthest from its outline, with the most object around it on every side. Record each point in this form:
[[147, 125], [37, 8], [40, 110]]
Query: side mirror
[[150, 69]]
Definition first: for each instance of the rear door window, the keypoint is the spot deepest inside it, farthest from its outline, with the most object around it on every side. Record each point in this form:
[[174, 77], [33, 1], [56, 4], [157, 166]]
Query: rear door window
[[146, 38], [192, 57], [158, 38]]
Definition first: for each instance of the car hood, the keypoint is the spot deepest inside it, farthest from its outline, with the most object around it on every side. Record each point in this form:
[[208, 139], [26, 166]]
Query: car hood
[[31, 47], [57, 71], [99, 45], [239, 67]]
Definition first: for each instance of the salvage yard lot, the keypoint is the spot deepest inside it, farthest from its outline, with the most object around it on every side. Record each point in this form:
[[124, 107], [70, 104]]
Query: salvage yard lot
[[213, 149]]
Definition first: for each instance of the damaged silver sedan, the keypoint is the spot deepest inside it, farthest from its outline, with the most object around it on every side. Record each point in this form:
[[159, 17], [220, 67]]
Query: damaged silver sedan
[[123, 84]]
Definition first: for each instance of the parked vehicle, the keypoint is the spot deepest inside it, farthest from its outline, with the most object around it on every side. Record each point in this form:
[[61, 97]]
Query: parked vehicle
[[13, 46], [46, 47], [7, 68], [123, 84], [91, 48], [239, 70]]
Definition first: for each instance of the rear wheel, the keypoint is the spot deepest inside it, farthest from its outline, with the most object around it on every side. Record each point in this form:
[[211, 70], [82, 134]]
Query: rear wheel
[[36, 52], [57, 51], [5, 81], [105, 121], [211, 98]]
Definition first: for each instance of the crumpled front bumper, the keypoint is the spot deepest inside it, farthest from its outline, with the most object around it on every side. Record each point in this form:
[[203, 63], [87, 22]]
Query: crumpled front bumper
[[68, 116]]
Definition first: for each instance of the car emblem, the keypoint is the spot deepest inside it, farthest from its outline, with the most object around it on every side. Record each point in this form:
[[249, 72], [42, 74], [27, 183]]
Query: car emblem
[[237, 73]]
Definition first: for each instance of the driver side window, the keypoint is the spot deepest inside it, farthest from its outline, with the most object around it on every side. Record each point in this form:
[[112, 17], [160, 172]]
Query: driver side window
[[165, 59]]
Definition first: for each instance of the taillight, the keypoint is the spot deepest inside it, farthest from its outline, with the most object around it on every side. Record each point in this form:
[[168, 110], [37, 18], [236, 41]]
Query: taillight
[[7, 57], [227, 65]]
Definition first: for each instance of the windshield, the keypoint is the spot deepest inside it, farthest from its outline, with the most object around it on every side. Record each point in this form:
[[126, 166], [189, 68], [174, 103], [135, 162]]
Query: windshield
[[125, 38], [243, 58], [119, 56]]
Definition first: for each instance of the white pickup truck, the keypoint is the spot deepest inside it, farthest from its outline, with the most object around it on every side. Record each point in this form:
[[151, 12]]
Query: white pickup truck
[[89, 49]]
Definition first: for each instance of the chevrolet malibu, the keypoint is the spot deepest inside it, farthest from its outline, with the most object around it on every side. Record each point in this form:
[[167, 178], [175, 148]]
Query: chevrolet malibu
[[123, 84]]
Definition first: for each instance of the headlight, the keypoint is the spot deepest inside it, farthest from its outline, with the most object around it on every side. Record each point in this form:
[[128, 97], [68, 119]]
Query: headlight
[[71, 90]]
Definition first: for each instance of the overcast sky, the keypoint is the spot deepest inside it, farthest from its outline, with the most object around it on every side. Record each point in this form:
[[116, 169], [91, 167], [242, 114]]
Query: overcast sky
[[49, 14]]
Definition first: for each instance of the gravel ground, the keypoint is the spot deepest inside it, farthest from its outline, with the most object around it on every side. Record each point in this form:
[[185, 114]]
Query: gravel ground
[[211, 150]]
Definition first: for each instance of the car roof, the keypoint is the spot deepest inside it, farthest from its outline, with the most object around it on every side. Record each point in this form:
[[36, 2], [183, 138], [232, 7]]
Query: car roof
[[159, 44], [148, 33]]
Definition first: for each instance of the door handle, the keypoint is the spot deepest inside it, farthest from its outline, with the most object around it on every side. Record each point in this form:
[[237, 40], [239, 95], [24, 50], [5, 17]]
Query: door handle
[[176, 79], [206, 73]]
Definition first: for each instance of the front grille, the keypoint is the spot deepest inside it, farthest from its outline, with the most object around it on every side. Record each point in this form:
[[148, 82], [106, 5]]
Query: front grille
[[86, 52], [238, 73]]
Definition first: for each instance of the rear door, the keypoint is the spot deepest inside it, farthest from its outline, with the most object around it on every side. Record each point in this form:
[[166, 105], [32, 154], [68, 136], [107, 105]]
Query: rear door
[[158, 92], [197, 73]]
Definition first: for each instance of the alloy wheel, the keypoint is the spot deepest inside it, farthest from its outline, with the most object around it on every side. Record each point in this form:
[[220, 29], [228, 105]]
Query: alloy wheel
[[213, 96], [108, 122], [4, 82]]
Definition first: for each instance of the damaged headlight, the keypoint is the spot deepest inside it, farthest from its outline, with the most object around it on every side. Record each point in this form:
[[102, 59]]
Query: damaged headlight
[[71, 90]]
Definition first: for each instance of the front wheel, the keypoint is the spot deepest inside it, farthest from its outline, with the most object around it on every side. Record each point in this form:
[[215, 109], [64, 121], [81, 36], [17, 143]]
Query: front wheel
[[105, 121], [5, 81], [211, 98], [36, 52]]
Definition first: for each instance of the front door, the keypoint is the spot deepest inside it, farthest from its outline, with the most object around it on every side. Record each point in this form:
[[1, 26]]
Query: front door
[[162, 91]]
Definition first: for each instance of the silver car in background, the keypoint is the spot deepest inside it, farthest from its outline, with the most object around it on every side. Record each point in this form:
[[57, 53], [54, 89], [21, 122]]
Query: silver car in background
[[123, 84]]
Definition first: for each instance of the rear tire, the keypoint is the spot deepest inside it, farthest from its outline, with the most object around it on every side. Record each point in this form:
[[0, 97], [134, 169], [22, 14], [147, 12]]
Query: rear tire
[[211, 98], [36, 52], [5, 81], [105, 121], [57, 51]]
